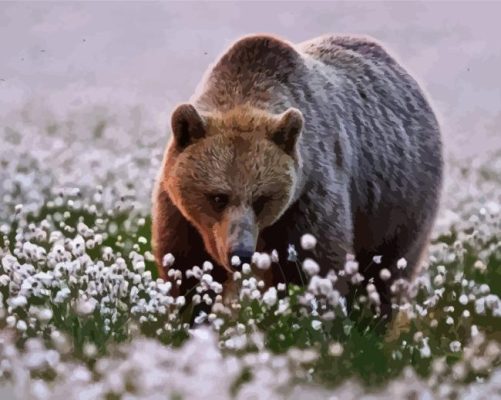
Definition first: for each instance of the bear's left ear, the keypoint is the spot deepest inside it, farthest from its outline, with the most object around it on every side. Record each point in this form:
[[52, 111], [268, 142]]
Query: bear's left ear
[[288, 129], [187, 125]]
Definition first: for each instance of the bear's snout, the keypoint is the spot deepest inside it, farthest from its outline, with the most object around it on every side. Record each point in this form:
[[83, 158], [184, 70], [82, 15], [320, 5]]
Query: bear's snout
[[240, 233]]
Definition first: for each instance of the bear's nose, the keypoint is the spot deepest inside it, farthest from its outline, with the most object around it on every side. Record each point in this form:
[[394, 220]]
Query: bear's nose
[[244, 255]]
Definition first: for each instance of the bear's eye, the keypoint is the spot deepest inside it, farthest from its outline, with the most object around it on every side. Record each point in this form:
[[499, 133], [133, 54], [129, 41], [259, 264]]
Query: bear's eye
[[259, 204], [219, 201]]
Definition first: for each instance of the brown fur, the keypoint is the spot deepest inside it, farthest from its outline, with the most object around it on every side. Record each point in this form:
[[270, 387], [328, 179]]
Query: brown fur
[[234, 158], [334, 133]]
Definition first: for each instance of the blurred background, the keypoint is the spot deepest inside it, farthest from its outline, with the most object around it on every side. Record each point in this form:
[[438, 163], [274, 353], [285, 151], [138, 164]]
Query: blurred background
[[86, 89], [58, 57]]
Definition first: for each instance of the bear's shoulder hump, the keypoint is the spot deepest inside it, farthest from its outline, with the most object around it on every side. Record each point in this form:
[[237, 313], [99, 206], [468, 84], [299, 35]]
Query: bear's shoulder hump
[[260, 48]]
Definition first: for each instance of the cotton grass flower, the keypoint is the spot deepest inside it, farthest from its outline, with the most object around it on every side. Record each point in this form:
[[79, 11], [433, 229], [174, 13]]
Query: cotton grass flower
[[308, 242], [235, 261], [455, 346], [336, 349], [311, 267], [351, 267], [270, 296], [316, 325], [263, 261], [85, 307], [402, 263], [77, 254], [385, 274], [168, 260]]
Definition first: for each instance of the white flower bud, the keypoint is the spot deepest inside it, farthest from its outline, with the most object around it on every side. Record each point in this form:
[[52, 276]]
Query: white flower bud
[[308, 241]]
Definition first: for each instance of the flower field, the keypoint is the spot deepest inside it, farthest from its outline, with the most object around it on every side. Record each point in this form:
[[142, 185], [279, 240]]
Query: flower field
[[83, 315]]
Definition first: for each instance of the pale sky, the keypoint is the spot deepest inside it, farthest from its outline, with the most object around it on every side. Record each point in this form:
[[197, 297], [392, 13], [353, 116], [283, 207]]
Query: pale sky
[[154, 54]]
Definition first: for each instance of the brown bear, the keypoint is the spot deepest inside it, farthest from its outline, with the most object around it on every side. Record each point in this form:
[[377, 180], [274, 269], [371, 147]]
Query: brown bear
[[330, 137]]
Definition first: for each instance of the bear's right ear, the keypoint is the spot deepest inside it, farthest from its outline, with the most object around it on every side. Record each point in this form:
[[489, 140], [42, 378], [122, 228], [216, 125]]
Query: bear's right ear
[[287, 132], [187, 125]]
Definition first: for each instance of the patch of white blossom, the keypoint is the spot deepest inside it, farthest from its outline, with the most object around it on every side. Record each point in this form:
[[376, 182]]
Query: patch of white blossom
[[64, 271]]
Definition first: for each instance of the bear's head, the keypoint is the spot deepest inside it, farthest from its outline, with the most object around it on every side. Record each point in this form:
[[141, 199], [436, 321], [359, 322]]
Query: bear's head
[[232, 174]]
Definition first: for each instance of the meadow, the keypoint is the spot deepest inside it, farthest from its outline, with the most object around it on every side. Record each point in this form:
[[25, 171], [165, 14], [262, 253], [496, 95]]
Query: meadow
[[84, 315]]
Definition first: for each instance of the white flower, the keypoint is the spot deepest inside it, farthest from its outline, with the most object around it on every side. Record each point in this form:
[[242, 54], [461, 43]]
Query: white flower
[[8, 262], [78, 246], [385, 274], [45, 314], [207, 279], [402, 263], [4, 229], [480, 306], [85, 307], [164, 287], [270, 296], [200, 318], [139, 266], [21, 325], [438, 280], [455, 346], [89, 350], [316, 324], [351, 267], [263, 261], [45, 277], [283, 306], [374, 298], [335, 299], [484, 288], [377, 259], [11, 321], [321, 286], [246, 269], [308, 241], [335, 349], [18, 301], [98, 238], [235, 261], [40, 389], [4, 280], [479, 265], [207, 266], [292, 253], [311, 267], [463, 299], [492, 301], [425, 350], [107, 253], [180, 301], [474, 331], [207, 299], [357, 278], [62, 295]]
